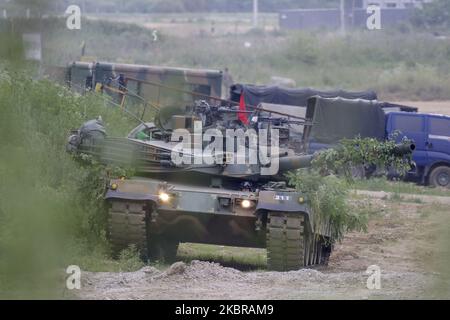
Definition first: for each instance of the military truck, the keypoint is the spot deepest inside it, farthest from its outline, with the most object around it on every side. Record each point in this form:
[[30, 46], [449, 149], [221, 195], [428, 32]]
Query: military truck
[[144, 84]]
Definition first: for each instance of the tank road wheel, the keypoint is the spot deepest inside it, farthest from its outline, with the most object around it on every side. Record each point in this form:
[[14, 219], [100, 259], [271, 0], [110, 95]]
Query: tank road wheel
[[440, 177], [162, 249], [127, 225], [325, 253], [285, 241]]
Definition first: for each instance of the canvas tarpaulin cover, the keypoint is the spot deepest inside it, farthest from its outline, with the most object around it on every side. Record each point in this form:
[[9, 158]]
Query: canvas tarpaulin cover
[[387, 106], [254, 95], [338, 118]]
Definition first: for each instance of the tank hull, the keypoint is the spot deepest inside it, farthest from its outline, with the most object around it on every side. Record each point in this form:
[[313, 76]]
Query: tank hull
[[156, 214]]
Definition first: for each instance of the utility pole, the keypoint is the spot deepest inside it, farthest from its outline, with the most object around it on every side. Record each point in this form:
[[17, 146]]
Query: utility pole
[[343, 27], [255, 13]]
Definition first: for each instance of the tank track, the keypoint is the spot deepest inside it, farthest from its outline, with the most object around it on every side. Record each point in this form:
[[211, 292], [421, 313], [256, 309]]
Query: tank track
[[163, 250], [127, 225], [291, 245]]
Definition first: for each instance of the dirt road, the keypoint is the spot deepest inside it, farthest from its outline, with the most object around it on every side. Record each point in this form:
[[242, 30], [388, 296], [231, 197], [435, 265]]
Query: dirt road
[[401, 240]]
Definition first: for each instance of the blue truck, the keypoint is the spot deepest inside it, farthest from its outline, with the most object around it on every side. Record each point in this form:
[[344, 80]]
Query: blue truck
[[431, 135], [343, 118], [340, 114]]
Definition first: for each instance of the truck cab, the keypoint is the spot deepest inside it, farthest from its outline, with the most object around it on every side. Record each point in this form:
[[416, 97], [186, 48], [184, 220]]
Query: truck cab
[[431, 135]]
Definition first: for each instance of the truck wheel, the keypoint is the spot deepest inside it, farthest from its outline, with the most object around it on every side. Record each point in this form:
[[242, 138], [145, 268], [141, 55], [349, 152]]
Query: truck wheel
[[127, 226], [285, 241], [440, 177]]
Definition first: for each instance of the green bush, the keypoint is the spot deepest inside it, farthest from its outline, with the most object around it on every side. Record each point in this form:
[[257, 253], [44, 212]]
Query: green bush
[[48, 202], [129, 259], [328, 199], [367, 152], [434, 15], [328, 194]]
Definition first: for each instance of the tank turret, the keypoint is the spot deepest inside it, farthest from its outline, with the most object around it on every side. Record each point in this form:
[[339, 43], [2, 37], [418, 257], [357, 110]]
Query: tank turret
[[153, 149]]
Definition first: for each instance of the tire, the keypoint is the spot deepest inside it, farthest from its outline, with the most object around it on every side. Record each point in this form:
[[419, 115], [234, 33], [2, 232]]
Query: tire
[[440, 177]]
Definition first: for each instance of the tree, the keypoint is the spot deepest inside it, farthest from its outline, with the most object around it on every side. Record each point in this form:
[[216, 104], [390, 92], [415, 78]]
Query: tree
[[434, 14]]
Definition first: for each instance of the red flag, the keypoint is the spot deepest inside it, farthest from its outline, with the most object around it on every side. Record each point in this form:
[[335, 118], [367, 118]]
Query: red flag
[[242, 115]]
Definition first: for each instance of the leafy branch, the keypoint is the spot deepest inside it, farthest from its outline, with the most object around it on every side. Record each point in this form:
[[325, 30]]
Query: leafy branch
[[328, 182], [366, 152]]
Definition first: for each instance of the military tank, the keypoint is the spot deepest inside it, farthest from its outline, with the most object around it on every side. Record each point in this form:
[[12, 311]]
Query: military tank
[[227, 200]]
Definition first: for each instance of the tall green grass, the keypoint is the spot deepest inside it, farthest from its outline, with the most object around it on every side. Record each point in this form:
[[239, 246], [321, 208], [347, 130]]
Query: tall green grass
[[382, 184], [51, 211], [400, 63]]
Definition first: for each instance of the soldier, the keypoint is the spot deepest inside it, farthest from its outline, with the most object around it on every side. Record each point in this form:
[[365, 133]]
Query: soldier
[[227, 82]]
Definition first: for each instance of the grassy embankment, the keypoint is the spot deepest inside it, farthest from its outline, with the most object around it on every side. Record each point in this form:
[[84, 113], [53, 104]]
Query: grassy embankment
[[50, 206], [381, 184]]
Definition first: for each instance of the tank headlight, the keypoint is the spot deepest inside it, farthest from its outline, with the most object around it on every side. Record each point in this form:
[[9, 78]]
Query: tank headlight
[[114, 186], [164, 197], [301, 200], [246, 204]]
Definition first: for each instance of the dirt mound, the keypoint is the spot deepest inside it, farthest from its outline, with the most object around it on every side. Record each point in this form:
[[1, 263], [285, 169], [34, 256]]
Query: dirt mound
[[204, 270], [176, 268]]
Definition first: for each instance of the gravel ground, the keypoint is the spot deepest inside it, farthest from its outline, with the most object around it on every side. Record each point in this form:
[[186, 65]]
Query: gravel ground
[[401, 240], [206, 280]]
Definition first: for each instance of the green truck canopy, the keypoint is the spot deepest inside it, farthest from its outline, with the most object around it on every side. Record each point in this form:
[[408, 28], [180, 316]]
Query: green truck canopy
[[338, 118]]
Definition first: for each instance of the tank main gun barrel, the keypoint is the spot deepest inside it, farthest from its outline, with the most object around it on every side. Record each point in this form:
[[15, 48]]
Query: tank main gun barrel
[[403, 149], [295, 162], [304, 161]]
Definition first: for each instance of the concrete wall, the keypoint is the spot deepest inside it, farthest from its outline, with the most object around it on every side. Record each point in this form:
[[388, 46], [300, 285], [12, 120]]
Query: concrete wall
[[398, 3], [309, 19], [316, 19], [389, 17]]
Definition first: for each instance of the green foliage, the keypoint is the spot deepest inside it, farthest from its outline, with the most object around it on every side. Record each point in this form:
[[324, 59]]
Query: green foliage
[[367, 152], [434, 14], [328, 199], [244, 258], [48, 202], [381, 184], [328, 195], [303, 49], [150, 6], [129, 259], [12, 47]]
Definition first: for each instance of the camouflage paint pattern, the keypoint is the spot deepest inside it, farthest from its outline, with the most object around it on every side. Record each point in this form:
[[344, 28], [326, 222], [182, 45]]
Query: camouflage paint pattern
[[204, 200], [79, 76], [152, 83]]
